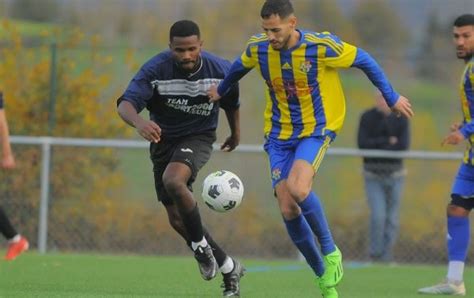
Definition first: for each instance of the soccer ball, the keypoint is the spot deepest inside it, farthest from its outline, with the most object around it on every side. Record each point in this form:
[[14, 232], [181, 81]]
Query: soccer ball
[[222, 191]]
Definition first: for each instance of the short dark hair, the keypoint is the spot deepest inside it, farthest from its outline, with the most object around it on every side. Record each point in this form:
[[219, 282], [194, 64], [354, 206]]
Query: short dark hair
[[184, 28], [282, 8], [464, 20]]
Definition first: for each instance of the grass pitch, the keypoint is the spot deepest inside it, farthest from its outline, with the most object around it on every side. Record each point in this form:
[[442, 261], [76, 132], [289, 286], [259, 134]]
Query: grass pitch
[[75, 275]]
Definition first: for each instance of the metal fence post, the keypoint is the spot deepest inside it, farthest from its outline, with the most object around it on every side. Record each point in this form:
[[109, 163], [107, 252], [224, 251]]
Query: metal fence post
[[44, 200]]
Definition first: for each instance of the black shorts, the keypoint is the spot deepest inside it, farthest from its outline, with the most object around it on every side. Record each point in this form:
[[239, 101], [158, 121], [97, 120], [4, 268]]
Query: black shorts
[[193, 150]]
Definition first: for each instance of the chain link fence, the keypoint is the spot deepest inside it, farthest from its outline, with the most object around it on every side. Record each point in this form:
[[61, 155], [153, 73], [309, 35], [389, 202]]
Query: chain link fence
[[123, 216], [102, 199]]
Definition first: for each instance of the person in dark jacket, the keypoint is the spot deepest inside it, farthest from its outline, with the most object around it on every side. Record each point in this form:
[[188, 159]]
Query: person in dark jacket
[[384, 177]]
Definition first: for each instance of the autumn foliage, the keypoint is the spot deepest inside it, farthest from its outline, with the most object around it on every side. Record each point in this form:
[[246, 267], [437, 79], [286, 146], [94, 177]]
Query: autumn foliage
[[84, 181]]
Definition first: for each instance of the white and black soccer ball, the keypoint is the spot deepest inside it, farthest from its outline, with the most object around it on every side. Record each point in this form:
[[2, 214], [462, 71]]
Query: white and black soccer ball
[[222, 191]]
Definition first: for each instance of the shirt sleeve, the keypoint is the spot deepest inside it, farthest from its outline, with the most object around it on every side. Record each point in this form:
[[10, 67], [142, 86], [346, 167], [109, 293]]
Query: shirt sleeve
[[1, 100], [467, 129], [374, 72], [336, 53], [241, 66], [139, 90]]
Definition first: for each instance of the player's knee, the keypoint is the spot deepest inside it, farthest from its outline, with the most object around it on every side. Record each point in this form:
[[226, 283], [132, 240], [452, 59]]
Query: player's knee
[[289, 209], [455, 210], [290, 212], [173, 185], [298, 191]]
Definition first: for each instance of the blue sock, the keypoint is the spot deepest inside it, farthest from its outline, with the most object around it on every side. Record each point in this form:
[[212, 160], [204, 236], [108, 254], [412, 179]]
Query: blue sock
[[301, 235], [458, 238], [314, 214]]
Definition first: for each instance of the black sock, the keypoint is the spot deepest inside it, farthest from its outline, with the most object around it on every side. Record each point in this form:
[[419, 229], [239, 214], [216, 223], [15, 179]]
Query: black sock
[[5, 226], [218, 252], [192, 224]]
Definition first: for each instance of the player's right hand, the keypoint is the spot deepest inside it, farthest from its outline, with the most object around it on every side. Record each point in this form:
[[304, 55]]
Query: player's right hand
[[149, 130], [213, 94], [403, 107], [230, 143]]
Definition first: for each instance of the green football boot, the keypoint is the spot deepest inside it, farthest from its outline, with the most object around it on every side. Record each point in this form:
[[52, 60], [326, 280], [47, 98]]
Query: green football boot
[[327, 292], [334, 271]]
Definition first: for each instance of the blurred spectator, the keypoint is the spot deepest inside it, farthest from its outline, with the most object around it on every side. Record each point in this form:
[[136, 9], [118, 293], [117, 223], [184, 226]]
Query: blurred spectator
[[384, 177]]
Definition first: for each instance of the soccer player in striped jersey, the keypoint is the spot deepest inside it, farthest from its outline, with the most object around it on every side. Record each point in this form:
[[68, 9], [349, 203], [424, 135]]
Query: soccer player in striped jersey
[[462, 193], [304, 112], [172, 86]]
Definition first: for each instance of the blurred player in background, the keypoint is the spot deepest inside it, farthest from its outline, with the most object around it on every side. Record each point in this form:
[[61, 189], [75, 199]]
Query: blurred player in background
[[305, 110], [462, 193], [172, 86], [16, 242]]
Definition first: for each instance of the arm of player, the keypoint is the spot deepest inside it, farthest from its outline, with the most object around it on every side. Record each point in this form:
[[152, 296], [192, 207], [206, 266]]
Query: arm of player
[[8, 161], [340, 54], [148, 129], [238, 69], [236, 72], [398, 103], [233, 118]]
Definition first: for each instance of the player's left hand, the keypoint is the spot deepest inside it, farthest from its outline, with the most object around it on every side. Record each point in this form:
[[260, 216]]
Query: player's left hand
[[213, 94], [403, 107], [230, 143], [453, 138]]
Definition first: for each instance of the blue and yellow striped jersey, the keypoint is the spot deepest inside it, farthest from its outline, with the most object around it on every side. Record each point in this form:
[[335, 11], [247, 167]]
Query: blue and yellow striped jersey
[[467, 104], [304, 96]]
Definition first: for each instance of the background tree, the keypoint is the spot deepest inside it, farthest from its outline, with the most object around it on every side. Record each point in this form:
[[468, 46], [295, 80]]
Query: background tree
[[326, 15], [84, 181], [434, 48], [33, 10], [380, 29]]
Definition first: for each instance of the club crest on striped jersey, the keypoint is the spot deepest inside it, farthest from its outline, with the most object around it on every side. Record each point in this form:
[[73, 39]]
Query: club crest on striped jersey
[[305, 66]]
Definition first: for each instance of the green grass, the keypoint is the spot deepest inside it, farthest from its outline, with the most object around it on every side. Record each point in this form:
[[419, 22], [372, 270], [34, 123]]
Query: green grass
[[73, 275]]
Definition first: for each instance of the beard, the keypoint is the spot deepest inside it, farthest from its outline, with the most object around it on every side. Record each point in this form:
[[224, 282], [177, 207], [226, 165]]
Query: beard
[[284, 44], [466, 57]]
